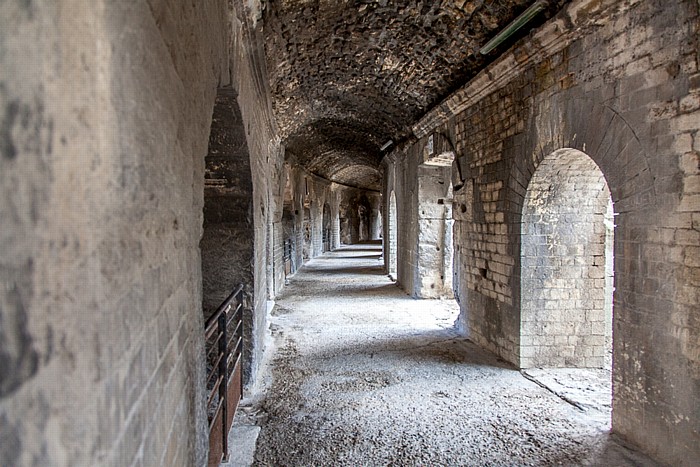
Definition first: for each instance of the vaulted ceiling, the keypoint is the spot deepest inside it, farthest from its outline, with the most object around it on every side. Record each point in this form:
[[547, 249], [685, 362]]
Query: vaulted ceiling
[[349, 75]]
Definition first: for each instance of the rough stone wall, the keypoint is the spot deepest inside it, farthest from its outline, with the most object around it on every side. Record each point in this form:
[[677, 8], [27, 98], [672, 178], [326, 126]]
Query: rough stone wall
[[434, 272], [618, 81], [266, 166], [106, 108], [104, 132]]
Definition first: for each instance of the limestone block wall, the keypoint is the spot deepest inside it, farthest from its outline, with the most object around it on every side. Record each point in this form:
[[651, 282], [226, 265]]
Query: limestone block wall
[[619, 82], [434, 272], [565, 299], [247, 66], [423, 238], [105, 129]]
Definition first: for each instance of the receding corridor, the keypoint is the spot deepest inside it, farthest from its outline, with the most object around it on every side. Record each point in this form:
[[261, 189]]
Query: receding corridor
[[349, 233], [362, 374]]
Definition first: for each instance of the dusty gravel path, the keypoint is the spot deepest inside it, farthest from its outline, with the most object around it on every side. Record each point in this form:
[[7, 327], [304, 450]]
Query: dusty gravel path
[[364, 375]]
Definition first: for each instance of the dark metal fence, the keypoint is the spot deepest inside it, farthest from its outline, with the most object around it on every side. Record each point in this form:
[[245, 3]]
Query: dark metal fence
[[224, 345], [287, 253]]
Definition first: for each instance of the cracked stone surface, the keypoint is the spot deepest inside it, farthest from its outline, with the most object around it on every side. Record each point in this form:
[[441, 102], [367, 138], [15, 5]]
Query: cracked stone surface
[[363, 374], [346, 76]]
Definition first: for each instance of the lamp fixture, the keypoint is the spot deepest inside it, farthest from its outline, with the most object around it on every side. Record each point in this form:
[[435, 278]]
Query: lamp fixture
[[386, 145], [514, 25]]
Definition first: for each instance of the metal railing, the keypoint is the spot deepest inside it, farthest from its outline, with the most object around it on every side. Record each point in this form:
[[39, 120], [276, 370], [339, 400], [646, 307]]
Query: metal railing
[[287, 252], [223, 333]]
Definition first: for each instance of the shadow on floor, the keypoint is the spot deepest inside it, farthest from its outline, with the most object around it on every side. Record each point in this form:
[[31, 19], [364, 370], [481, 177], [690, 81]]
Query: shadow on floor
[[350, 257], [443, 346], [364, 270]]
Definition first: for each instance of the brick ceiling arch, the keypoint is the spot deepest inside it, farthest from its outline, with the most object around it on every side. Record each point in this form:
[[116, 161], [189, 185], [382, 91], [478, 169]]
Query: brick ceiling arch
[[348, 75]]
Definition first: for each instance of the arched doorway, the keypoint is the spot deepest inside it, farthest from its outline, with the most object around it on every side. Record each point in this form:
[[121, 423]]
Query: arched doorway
[[227, 256], [326, 227], [393, 237], [567, 265]]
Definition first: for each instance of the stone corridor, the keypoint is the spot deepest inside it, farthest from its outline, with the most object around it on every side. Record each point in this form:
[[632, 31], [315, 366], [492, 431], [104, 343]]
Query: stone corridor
[[192, 196], [362, 374]]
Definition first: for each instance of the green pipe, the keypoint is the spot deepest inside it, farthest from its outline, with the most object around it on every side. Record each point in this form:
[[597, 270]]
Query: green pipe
[[516, 24]]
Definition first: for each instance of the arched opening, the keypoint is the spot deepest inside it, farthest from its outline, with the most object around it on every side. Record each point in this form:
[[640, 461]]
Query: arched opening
[[393, 237], [567, 266], [289, 221], [227, 252], [326, 227]]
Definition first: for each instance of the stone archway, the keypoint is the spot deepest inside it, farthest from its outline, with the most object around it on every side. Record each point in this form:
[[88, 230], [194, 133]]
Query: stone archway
[[567, 265], [227, 258]]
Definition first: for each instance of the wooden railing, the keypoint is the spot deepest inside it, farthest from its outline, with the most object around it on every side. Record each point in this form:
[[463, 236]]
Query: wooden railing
[[224, 345]]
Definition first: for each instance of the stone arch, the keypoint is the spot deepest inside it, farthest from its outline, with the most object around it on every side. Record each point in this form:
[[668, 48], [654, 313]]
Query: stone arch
[[604, 135], [607, 138], [622, 154], [326, 227], [227, 244], [392, 240], [227, 251], [566, 265]]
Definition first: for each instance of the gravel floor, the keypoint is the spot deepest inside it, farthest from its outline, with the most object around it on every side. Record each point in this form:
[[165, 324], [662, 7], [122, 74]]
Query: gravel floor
[[361, 374]]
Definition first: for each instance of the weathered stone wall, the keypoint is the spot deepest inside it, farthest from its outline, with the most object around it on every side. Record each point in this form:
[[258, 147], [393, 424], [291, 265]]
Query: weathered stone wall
[[266, 166], [434, 272], [105, 112], [424, 246], [105, 129], [618, 81]]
